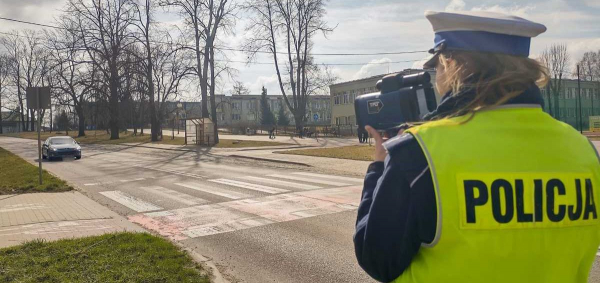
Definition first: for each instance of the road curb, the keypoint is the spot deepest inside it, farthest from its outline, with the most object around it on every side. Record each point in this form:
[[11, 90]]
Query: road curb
[[276, 148], [215, 274], [270, 160]]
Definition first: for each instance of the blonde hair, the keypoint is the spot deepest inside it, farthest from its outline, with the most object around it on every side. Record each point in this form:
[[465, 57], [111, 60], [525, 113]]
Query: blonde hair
[[495, 78]]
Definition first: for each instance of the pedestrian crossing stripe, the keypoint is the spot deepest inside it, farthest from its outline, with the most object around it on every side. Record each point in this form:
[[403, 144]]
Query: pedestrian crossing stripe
[[215, 191], [175, 195], [284, 183], [311, 180], [340, 178], [130, 202], [250, 186]]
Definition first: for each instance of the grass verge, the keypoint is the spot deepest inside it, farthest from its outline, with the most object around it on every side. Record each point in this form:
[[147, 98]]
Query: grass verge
[[355, 152], [101, 137], [17, 176], [121, 257]]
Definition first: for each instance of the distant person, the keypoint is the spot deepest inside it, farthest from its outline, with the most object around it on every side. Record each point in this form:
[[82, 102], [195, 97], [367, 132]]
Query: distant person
[[272, 133], [361, 134], [490, 188]]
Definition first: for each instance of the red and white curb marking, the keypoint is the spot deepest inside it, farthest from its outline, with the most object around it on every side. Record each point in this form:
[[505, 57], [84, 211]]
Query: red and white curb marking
[[205, 220]]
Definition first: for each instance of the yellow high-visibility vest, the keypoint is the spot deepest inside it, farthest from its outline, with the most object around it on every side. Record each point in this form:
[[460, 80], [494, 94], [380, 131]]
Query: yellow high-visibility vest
[[517, 196]]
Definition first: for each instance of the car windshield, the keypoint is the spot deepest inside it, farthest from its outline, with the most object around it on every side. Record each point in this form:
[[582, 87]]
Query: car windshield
[[62, 141]]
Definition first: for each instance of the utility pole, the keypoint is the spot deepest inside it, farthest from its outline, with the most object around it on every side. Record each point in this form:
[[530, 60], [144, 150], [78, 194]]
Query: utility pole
[[579, 94]]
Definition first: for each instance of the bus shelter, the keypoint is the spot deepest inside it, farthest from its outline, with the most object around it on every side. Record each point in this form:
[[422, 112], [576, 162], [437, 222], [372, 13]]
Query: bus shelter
[[199, 131]]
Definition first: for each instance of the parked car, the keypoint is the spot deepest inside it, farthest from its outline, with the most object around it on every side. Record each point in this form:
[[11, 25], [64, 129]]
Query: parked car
[[60, 147]]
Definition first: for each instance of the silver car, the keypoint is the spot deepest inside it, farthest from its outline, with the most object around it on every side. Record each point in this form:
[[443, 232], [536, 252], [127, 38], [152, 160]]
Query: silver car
[[60, 147]]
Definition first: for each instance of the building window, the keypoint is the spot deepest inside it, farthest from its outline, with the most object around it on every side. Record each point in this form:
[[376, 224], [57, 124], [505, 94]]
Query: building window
[[235, 117], [235, 106], [222, 117], [346, 98], [251, 117], [351, 120], [337, 120], [336, 100]]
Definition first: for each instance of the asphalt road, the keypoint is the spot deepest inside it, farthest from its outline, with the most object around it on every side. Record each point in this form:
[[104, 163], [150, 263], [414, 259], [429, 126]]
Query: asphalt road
[[257, 222]]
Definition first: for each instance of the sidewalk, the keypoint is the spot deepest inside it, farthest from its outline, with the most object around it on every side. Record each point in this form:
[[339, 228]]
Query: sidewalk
[[318, 164], [322, 142], [53, 216]]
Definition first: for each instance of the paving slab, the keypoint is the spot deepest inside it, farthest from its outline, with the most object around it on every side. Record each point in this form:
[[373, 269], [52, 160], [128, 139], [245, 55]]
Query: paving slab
[[53, 216]]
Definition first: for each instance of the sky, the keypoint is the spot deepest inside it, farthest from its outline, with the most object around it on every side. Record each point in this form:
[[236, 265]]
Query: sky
[[371, 26]]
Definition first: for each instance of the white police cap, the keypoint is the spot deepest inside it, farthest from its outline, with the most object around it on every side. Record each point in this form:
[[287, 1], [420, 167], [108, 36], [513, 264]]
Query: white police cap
[[481, 31]]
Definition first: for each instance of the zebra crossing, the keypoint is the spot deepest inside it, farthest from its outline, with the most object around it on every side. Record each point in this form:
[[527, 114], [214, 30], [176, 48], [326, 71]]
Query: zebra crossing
[[194, 193], [215, 191], [131, 202]]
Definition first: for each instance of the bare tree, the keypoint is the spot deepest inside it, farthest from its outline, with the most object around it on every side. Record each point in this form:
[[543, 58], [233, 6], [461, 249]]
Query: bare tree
[[14, 48], [144, 23], [73, 79], [239, 88], [103, 28], [206, 18], [29, 67], [590, 65], [172, 66], [292, 24], [5, 62], [556, 59]]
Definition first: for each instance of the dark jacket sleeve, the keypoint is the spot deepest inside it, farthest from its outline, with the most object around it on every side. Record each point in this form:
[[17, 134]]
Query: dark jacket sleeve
[[396, 214]]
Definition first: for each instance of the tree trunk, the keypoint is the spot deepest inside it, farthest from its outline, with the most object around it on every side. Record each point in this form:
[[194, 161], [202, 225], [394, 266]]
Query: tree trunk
[[32, 120], [114, 103], [154, 127], [213, 104], [23, 124], [142, 121], [114, 118], [204, 82], [81, 118], [204, 104]]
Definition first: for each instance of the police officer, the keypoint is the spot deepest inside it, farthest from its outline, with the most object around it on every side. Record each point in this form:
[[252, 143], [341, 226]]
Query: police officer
[[491, 189]]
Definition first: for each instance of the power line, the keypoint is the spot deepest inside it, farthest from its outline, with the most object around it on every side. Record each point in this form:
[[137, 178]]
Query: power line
[[335, 54], [271, 63], [327, 64], [242, 50], [30, 23]]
